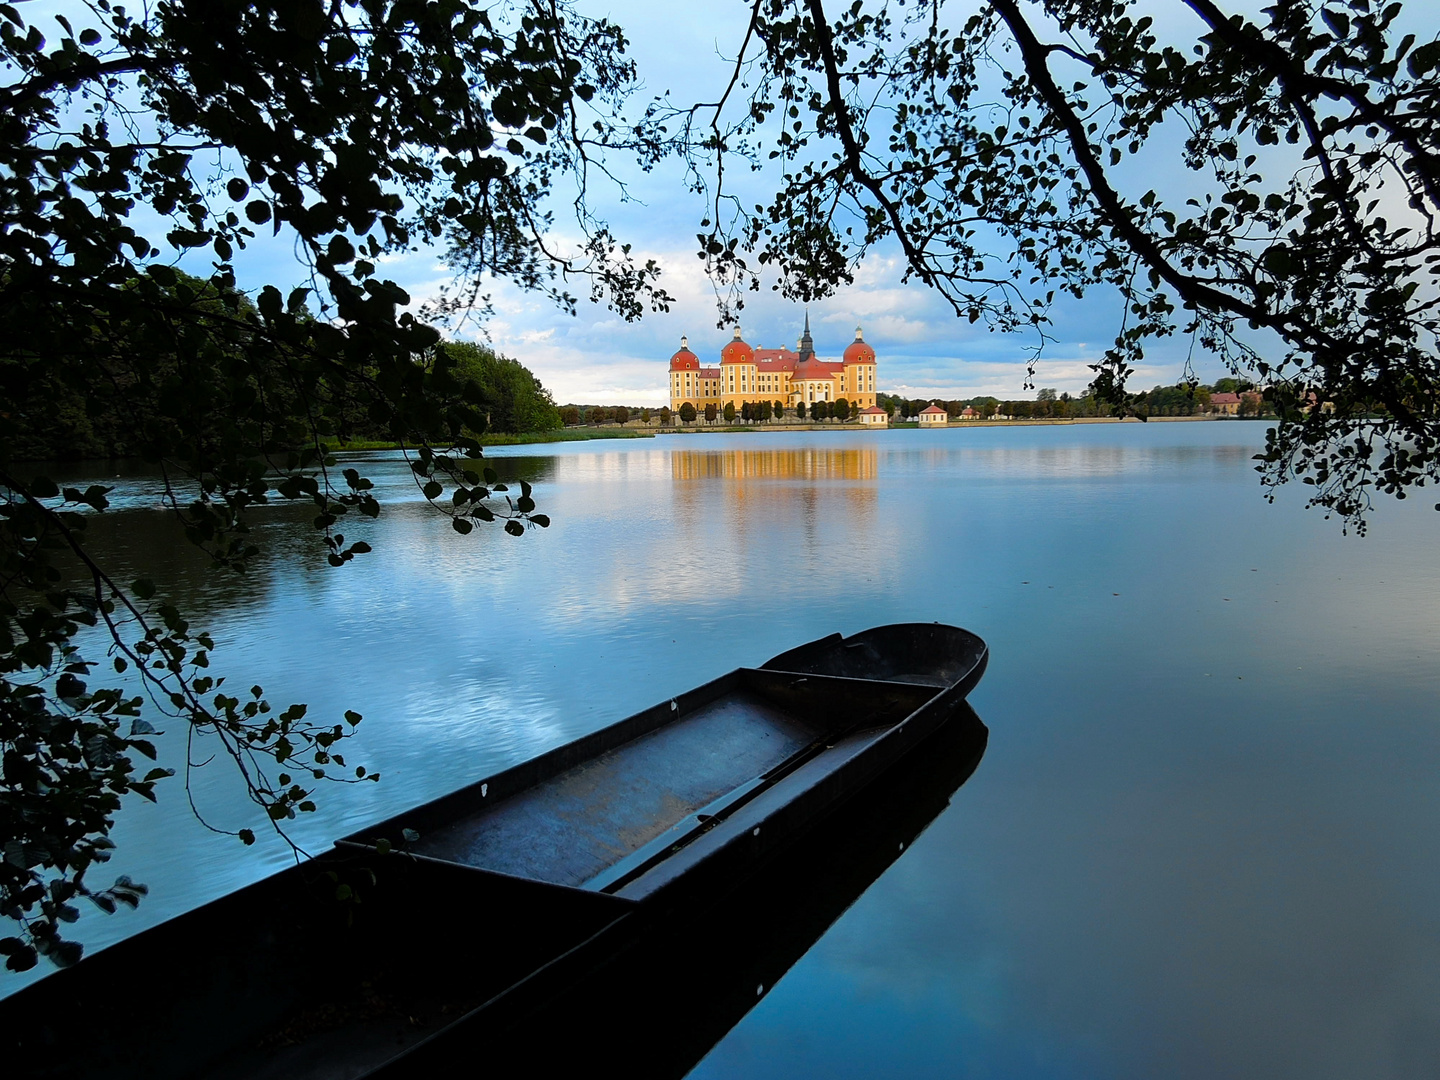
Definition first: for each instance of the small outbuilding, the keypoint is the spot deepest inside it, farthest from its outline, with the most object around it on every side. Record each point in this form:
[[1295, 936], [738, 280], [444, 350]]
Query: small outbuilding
[[1228, 404], [933, 416], [969, 413], [874, 416]]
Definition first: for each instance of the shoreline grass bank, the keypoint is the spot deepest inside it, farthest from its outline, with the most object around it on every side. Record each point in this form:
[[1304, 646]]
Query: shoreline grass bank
[[587, 434], [501, 439]]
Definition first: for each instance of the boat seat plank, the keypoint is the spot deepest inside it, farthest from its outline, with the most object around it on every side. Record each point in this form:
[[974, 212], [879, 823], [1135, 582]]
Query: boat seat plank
[[817, 770], [570, 828]]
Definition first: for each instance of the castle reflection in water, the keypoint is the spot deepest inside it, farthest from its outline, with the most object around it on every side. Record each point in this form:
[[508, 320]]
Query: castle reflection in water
[[772, 518], [807, 463], [731, 520]]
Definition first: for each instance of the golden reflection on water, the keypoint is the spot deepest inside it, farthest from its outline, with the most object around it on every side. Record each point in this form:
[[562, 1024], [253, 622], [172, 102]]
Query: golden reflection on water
[[748, 517], [801, 463], [819, 479]]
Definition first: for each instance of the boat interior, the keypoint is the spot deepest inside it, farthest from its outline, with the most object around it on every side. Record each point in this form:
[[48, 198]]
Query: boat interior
[[604, 821]]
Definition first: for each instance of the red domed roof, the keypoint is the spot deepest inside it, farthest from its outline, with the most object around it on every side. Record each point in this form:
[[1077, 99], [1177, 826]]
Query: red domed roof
[[812, 368], [859, 352], [737, 352], [684, 360]]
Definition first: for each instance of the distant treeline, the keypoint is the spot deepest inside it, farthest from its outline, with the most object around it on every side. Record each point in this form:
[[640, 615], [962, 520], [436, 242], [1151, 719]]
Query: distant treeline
[[574, 415], [1179, 400], [513, 399]]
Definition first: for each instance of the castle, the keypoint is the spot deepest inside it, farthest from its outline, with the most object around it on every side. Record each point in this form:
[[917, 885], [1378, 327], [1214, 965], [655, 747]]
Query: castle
[[752, 374]]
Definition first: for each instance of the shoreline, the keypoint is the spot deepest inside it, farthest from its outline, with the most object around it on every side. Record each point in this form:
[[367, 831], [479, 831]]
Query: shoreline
[[502, 439], [910, 425], [652, 431]]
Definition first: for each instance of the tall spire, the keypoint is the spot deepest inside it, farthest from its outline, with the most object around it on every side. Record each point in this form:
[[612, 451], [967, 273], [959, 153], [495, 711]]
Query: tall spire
[[807, 343]]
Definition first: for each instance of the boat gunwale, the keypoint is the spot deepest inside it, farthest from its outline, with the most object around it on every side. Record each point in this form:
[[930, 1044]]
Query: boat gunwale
[[837, 641], [835, 787], [358, 848]]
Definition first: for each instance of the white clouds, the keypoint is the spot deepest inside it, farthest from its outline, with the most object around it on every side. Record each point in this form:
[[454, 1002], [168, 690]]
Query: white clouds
[[959, 378], [924, 350]]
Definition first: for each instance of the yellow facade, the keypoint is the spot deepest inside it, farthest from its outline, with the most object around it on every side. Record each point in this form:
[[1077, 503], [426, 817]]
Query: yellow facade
[[698, 392]]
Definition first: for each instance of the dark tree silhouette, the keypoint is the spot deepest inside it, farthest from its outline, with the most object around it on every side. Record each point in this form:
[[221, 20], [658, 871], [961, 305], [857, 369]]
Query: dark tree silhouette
[[356, 131]]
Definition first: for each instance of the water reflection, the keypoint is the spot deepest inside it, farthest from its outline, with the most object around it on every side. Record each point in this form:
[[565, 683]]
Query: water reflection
[[788, 513], [1204, 841], [1079, 461], [795, 463]]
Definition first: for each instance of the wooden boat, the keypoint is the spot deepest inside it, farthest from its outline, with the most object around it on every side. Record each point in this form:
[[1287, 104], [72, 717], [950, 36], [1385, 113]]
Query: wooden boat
[[483, 907], [695, 971], [708, 781]]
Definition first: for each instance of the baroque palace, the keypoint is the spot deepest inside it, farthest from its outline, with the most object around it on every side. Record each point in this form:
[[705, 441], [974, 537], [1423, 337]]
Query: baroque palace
[[753, 374]]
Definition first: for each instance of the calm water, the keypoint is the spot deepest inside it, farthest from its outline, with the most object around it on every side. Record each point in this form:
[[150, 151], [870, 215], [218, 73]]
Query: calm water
[[1204, 840]]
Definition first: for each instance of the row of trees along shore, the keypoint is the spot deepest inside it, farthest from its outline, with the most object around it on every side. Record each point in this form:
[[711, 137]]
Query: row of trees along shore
[[1048, 404], [1179, 400], [749, 412]]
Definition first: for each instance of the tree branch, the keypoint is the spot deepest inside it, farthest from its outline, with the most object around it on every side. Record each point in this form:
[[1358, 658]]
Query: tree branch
[[38, 87], [913, 255], [1298, 83]]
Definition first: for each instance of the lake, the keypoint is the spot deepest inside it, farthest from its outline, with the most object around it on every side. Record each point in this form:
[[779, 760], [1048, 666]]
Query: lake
[[1204, 840]]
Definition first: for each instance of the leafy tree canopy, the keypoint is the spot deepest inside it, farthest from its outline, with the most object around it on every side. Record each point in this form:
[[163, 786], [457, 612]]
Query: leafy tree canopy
[[130, 143], [1010, 153], [511, 397]]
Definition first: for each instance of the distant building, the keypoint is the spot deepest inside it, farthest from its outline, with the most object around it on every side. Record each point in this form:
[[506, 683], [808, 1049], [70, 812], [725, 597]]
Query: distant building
[[1226, 403], [751, 374], [933, 416], [969, 413], [874, 416]]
